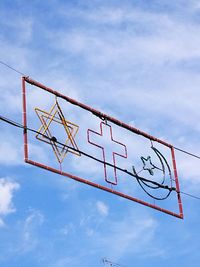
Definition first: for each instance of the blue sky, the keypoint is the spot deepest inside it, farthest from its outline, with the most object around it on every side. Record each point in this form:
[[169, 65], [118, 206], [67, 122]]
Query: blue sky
[[135, 60]]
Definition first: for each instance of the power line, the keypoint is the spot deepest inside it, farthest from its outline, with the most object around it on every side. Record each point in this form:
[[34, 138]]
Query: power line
[[190, 195], [21, 73], [138, 178], [107, 163], [12, 68], [186, 152]]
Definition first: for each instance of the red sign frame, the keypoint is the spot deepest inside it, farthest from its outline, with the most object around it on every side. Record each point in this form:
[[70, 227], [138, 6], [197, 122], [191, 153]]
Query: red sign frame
[[113, 120]]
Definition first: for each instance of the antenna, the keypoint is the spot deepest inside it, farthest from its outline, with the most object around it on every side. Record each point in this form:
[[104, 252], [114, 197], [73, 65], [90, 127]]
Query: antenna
[[110, 263]]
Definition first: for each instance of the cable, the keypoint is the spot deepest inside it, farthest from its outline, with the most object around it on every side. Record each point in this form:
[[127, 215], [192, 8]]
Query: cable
[[190, 195], [144, 184], [186, 152], [141, 179], [12, 68], [18, 125], [11, 122], [21, 73], [150, 195]]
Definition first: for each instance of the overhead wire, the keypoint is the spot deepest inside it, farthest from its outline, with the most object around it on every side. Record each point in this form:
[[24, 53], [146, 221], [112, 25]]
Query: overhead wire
[[138, 177], [18, 125], [12, 68], [186, 152], [21, 73], [190, 195]]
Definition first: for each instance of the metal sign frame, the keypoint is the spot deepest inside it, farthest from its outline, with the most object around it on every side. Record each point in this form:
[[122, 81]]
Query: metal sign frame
[[107, 118]]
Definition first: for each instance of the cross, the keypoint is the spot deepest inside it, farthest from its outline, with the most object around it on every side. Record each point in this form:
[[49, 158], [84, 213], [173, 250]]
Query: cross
[[108, 156]]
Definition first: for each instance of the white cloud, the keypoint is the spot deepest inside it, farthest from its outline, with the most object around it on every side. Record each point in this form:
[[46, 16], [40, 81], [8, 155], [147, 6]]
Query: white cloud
[[66, 261], [89, 232], [188, 170], [102, 208], [30, 238], [150, 63], [2, 223], [7, 188], [15, 23], [130, 235], [163, 38], [68, 229], [10, 151], [123, 57]]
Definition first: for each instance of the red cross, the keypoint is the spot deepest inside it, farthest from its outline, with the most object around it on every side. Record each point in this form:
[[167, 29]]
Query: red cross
[[111, 180]]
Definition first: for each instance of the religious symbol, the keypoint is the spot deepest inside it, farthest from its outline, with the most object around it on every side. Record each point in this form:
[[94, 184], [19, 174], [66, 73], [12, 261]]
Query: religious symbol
[[51, 119], [112, 179], [147, 165], [165, 181]]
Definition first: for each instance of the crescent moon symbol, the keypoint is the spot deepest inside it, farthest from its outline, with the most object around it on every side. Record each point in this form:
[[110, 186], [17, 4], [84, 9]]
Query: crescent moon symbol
[[147, 184]]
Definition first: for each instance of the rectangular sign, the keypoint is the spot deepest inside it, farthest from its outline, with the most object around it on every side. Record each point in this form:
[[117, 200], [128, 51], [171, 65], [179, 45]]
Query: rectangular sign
[[72, 139]]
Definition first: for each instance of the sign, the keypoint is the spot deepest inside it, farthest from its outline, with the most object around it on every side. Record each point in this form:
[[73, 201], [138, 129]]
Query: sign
[[79, 142]]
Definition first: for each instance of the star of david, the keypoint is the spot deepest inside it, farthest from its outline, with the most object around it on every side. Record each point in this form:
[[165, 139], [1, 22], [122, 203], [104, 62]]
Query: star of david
[[55, 116], [148, 165]]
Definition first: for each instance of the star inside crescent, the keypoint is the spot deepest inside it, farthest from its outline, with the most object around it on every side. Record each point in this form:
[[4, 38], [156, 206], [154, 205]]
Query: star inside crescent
[[148, 165]]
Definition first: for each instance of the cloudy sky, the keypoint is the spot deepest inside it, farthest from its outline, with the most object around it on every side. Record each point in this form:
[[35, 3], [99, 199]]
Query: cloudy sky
[[135, 60]]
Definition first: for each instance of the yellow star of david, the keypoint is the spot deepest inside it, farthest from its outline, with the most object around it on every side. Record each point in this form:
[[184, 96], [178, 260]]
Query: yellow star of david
[[55, 115]]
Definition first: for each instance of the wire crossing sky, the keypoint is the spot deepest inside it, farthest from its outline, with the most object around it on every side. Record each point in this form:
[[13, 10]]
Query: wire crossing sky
[[60, 145], [135, 60], [179, 149]]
